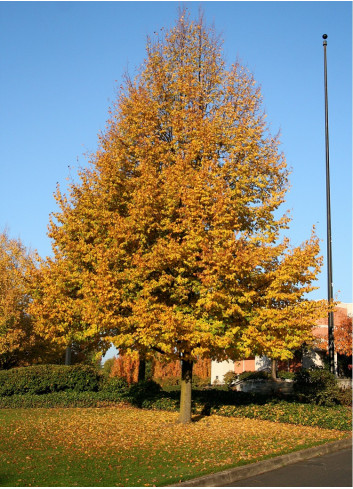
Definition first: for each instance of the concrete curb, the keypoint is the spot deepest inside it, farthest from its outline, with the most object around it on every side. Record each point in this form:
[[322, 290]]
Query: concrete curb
[[232, 475]]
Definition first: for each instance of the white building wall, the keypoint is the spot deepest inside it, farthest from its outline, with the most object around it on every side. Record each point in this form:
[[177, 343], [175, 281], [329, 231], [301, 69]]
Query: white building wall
[[219, 369], [262, 363], [348, 306], [312, 359]]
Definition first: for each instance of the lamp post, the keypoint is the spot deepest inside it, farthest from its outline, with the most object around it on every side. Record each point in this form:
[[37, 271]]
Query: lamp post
[[331, 344]]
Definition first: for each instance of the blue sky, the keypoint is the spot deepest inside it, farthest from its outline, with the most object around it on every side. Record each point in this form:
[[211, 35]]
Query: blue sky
[[61, 62]]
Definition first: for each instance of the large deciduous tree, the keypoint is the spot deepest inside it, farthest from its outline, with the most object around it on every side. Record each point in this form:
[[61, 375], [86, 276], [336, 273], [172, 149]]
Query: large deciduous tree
[[174, 227]]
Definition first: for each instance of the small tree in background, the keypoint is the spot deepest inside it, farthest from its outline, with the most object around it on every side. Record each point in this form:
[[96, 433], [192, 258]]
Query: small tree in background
[[343, 336], [283, 319], [108, 365], [126, 367], [16, 328], [20, 345], [343, 340], [342, 332], [171, 371], [56, 310], [343, 345]]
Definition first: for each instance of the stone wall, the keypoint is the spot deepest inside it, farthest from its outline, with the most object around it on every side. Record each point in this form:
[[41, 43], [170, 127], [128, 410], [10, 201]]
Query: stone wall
[[344, 383]]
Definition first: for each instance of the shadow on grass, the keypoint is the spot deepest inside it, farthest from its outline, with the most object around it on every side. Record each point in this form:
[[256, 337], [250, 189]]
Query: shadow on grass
[[198, 417]]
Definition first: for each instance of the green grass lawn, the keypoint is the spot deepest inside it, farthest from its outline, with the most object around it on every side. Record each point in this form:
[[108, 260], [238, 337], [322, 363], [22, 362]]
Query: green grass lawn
[[126, 446]]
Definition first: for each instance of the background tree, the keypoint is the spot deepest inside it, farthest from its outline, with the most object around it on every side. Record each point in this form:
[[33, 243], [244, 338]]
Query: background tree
[[19, 344], [343, 332], [107, 366], [171, 371], [173, 225], [15, 324], [343, 339], [343, 336], [126, 366], [343, 346], [56, 312]]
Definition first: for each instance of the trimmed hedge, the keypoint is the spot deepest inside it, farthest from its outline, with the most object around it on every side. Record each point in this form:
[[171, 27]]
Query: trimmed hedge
[[44, 379], [338, 418], [61, 400], [83, 386], [257, 375], [283, 374]]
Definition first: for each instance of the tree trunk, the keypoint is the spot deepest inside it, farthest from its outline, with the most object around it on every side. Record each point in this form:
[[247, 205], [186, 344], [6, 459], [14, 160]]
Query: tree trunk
[[273, 369], [142, 369], [185, 393], [68, 355]]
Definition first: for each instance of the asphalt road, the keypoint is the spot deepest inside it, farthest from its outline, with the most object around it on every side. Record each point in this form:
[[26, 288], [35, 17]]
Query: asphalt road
[[331, 470]]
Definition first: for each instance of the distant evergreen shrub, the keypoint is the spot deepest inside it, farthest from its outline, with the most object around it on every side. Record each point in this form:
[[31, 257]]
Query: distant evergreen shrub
[[284, 374], [257, 375]]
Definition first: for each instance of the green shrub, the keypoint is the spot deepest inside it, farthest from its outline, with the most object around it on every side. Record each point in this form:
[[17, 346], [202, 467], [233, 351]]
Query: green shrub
[[161, 403], [257, 375], [284, 374], [61, 399], [107, 366], [117, 385], [43, 379], [168, 382], [144, 389], [205, 402], [344, 397], [229, 378], [200, 382], [318, 386]]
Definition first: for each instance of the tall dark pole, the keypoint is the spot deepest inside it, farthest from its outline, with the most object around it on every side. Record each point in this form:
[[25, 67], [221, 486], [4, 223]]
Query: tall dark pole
[[331, 344]]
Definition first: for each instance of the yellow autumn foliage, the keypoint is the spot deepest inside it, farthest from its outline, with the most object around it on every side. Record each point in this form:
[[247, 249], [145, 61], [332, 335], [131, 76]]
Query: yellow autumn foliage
[[15, 325], [170, 239]]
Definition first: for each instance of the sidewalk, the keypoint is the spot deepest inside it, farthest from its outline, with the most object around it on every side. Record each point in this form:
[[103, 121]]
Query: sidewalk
[[230, 477]]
